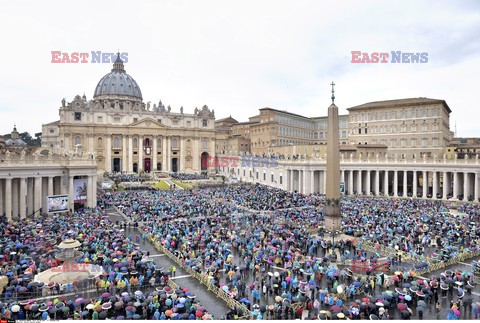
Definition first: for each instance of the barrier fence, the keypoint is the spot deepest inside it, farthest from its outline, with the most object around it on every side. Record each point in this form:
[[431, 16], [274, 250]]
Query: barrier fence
[[232, 303]]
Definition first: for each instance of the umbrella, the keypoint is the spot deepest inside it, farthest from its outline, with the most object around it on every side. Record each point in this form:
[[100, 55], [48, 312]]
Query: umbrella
[[15, 308], [373, 317], [421, 303], [336, 308], [402, 306]]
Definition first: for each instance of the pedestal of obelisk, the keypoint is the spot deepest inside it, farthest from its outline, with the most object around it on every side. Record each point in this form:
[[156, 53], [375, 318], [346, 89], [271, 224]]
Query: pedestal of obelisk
[[333, 216]]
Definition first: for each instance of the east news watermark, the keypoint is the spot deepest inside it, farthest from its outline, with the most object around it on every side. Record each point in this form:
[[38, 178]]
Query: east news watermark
[[87, 57], [392, 57]]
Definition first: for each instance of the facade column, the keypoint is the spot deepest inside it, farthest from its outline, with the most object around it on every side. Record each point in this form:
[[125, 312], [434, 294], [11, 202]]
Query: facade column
[[15, 197], [130, 154], [124, 154], [445, 186], [30, 195], [455, 185], [342, 179], [369, 188], [2, 199], [377, 182], [108, 154], [405, 187], [23, 198], [155, 153], [164, 154], [169, 152], [312, 181], [350, 182], [475, 188], [306, 182], [8, 199], [435, 185], [50, 186], [359, 182], [70, 193], [290, 180], [38, 196], [415, 183], [466, 186], [94, 190], [395, 183], [91, 147], [325, 182], [140, 153], [385, 184], [425, 184]]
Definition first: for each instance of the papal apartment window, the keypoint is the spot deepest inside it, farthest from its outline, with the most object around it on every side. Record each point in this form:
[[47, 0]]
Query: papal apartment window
[[135, 119], [204, 122], [52, 131], [99, 119], [78, 116]]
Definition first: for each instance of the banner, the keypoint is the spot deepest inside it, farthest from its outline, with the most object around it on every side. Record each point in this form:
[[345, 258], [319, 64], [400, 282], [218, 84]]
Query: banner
[[57, 203], [79, 190]]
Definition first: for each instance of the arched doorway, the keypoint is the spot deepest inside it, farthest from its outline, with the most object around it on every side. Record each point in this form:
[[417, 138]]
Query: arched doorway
[[204, 162], [135, 167], [159, 166]]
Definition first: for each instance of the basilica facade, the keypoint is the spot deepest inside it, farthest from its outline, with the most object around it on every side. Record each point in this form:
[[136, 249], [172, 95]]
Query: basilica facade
[[125, 134]]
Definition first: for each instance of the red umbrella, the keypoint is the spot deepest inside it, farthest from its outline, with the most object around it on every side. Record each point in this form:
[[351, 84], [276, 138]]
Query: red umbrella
[[198, 313], [366, 300], [420, 281], [402, 306]]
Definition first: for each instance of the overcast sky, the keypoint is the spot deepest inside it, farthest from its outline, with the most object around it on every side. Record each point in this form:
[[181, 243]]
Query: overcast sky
[[238, 57]]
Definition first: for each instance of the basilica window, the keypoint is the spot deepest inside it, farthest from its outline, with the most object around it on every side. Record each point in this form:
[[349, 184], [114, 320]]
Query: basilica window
[[204, 143], [204, 122], [78, 116], [174, 143], [159, 143], [116, 142], [135, 142], [78, 140]]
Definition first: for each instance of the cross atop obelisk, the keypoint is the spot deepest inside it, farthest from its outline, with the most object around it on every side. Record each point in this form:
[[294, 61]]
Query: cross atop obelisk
[[333, 92]]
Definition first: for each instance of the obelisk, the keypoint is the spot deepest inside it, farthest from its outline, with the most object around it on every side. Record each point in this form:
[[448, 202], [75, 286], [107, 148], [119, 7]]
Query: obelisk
[[333, 216]]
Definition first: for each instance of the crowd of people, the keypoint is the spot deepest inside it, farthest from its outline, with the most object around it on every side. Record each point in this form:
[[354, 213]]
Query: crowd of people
[[189, 176], [237, 250], [124, 177], [262, 246], [28, 247]]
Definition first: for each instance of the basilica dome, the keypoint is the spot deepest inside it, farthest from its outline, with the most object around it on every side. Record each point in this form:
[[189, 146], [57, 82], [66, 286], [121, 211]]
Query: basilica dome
[[118, 82]]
